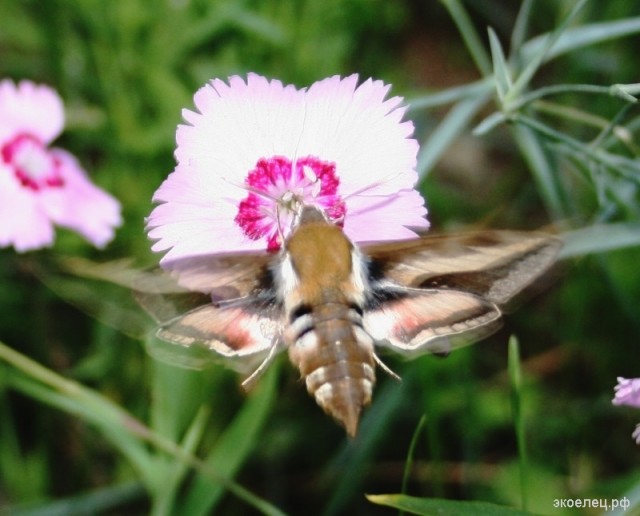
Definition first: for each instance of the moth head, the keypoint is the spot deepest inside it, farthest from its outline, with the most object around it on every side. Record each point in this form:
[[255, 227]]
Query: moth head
[[308, 214]]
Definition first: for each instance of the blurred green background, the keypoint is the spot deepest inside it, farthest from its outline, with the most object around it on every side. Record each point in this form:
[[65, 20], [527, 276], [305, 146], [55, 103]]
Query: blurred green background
[[125, 69]]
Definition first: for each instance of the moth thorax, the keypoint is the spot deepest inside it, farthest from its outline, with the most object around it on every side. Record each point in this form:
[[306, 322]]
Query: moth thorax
[[335, 357]]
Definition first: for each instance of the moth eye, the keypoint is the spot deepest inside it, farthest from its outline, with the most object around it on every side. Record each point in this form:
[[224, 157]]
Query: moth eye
[[299, 311]]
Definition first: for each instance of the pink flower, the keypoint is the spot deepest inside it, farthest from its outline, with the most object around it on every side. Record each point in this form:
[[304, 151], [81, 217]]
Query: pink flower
[[41, 186], [255, 151], [628, 393]]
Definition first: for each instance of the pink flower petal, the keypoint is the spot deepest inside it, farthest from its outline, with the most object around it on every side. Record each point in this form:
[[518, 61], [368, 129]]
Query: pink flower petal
[[80, 205], [627, 392], [43, 186], [30, 108], [335, 123], [23, 224]]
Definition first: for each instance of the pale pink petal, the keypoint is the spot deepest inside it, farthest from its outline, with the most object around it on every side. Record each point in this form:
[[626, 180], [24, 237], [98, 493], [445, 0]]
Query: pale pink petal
[[381, 218], [30, 108], [23, 224], [195, 220], [80, 205], [362, 134], [627, 392]]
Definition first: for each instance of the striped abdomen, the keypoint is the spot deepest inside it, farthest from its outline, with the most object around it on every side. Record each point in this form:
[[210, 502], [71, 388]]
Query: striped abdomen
[[335, 357]]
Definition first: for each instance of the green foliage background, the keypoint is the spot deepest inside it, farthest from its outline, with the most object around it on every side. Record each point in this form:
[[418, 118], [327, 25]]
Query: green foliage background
[[545, 152]]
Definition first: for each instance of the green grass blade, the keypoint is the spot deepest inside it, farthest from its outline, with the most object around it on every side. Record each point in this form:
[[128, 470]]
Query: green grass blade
[[470, 35], [580, 37], [519, 32], [482, 87], [234, 446], [501, 74], [456, 121], [542, 169], [412, 445], [600, 239], [98, 501], [515, 377], [536, 60], [440, 507]]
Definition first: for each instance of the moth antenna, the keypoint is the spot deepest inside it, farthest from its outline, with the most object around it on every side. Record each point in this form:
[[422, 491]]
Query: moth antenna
[[250, 381], [253, 190], [386, 369], [372, 185]]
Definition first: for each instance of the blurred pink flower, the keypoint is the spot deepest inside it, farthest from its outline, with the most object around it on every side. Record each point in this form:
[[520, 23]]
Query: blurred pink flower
[[256, 150], [627, 392], [41, 186]]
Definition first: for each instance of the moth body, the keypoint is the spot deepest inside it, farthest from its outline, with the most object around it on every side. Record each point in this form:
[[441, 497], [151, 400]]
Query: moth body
[[323, 287]]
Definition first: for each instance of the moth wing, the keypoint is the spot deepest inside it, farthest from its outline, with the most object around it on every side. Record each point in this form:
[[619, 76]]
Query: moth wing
[[494, 265], [239, 333], [435, 321], [223, 306], [224, 276], [198, 281]]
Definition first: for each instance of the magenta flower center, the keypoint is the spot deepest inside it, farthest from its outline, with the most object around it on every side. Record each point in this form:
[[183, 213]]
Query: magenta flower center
[[32, 163], [277, 191]]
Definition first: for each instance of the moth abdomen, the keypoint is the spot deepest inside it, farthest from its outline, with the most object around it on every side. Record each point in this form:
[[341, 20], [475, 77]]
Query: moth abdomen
[[335, 357]]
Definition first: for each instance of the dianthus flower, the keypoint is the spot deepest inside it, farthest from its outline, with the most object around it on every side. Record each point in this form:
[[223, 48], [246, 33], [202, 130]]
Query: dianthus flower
[[40, 185], [257, 150], [627, 392]]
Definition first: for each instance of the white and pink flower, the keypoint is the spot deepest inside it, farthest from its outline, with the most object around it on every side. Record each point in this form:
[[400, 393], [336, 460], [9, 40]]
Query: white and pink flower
[[256, 150], [39, 185], [627, 392]]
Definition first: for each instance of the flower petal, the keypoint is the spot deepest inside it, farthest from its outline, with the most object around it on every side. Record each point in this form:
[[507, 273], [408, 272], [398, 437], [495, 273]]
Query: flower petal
[[385, 217], [30, 108], [23, 224], [627, 392], [80, 205], [239, 122]]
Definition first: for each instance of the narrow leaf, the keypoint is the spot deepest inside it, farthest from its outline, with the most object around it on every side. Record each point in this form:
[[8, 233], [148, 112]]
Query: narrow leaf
[[440, 507]]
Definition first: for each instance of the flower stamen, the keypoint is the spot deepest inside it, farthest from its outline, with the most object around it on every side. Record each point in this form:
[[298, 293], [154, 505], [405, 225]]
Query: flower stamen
[[279, 189], [32, 164]]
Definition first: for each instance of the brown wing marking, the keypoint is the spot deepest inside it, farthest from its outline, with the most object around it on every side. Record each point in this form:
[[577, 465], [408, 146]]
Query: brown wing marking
[[431, 321], [496, 265]]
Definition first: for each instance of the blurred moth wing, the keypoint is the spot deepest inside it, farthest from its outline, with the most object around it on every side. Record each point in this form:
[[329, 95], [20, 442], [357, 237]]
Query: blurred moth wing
[[330, 302], [231, 311], [452, 290], [423, 292]]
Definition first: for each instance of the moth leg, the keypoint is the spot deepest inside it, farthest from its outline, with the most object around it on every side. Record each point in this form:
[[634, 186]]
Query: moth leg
[[386, 368], [250, 381]]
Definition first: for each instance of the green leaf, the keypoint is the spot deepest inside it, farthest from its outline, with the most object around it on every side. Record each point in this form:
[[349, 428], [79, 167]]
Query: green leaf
[[515, 377], [600, 239], [456, 121], [539, 57], [543, 170], [98, 501], [475, 89], [441, 507], [501, 73], [580, 37], [234, 446], [469, 34]]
